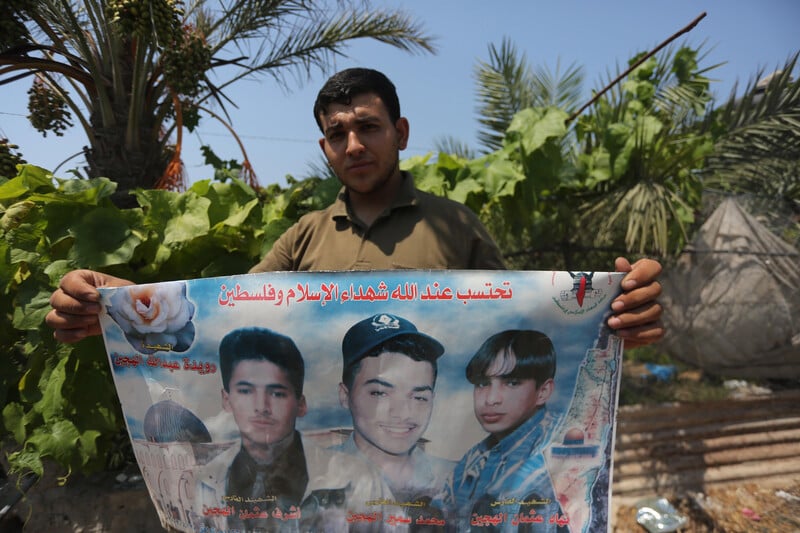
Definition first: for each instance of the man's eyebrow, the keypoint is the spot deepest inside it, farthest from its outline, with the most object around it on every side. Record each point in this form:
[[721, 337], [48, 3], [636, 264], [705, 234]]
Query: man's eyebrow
[[269, 386], [336, 125], [378, 382]]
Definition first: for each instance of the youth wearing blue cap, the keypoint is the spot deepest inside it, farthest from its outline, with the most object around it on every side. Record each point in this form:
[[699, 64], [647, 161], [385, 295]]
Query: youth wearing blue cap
[[388, 380]]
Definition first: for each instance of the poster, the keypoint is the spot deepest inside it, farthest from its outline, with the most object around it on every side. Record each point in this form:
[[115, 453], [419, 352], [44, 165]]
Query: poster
[[371, 401]]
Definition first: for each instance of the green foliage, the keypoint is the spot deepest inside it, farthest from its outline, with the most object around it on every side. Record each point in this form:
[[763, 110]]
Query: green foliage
[[641, 152], [59, 400]]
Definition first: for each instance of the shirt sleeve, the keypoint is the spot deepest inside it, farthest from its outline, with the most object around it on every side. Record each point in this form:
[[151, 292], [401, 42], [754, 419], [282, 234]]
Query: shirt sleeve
[[279, 258], [485, 254]]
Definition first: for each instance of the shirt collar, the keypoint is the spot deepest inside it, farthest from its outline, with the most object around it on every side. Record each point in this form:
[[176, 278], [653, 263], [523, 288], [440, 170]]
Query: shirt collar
[[406, 196], [531, 431]]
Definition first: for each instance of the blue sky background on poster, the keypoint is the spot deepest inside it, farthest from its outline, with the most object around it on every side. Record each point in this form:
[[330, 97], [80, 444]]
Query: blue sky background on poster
[[317, 330]]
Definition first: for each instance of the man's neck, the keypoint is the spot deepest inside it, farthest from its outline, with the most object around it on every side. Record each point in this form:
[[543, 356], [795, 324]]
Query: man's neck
[[395, 468], [267, 453], [368, 207]]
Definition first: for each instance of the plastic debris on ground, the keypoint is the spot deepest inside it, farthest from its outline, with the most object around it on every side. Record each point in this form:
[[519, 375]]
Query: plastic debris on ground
[[743, 389], [661, 372], [751, 514], [658, 515]]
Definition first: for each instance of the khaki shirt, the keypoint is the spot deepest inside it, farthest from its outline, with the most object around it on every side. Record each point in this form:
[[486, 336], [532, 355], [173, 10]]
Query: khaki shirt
[[419, 231]]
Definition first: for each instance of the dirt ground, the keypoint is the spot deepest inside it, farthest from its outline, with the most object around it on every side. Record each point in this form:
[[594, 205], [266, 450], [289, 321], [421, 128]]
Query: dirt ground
[[745, 508], [739, 509]]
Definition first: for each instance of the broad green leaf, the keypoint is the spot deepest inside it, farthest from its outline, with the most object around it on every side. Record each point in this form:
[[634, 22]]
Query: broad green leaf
[[239, 214], [274, 210], [88, 444], [500, 178], [102, 238], [26, 461], [51, 406], [22, 256], [83, 192], [535, 127], [16, 214], [29, 179], [57, 269], [464, 189], [57, 441], [413, 164], [230, 203], [14, 421], [431, 180], [192, 222], [32, 304]]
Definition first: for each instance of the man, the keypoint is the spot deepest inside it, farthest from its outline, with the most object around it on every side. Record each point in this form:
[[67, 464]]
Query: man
[[512, 374], [379, 221], [274, 479], [389, 373]]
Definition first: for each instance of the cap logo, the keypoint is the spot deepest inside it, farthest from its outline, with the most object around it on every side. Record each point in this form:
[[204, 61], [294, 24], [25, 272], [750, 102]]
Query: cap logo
[[382, 322]]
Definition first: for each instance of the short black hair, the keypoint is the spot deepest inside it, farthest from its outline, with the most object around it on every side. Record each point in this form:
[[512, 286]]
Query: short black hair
[[261, 344], [532, 350], [407, 345], [343, 86]]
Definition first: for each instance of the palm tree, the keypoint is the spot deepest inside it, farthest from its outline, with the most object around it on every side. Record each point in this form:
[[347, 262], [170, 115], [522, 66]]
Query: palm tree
[[757, 148], [134, 72], [507, 84]]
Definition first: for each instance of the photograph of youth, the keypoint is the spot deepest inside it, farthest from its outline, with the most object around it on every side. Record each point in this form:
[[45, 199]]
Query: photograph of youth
[[388, 377], [512, 374]]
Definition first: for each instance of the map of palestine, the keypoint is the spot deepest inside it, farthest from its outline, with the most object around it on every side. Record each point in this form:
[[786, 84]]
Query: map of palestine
[[579, 458]]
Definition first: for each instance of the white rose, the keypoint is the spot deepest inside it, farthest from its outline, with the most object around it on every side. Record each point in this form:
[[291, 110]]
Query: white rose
[[154, 317]]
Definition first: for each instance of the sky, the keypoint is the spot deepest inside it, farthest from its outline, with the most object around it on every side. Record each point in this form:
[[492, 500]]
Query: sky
[[437, 92]]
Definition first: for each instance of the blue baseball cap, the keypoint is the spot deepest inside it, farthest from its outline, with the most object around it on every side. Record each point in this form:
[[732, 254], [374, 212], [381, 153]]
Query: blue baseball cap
[[371, 332]]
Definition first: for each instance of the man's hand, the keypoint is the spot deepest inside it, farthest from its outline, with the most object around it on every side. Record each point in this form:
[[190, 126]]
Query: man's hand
[[637, 315], [76, 304]]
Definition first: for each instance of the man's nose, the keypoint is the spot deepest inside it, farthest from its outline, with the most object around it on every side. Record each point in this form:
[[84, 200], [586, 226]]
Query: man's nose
[[400, 407], [494, 395], [263, 403], [354, 145]]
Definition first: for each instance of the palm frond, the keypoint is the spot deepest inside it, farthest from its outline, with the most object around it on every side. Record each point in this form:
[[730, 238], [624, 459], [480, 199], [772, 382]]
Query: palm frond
[[760, 142], [507, 84], [454, 146], [304, 41]]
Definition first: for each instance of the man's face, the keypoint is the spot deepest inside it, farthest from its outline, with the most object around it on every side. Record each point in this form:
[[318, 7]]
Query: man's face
[[503, 403], [391, 402], [263, 404], [362, 144]]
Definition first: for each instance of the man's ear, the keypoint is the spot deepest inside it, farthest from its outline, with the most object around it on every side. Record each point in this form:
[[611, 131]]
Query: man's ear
[[403, 129], [544, 392], [344, 396], [302, 407], [322, 144], [226, 403]]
